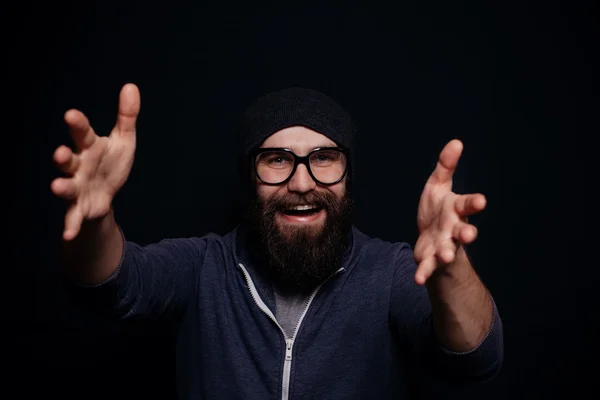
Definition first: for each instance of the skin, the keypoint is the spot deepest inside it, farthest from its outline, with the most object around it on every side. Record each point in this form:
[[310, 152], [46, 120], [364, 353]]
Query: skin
[[301, 141], [94, 173], [461, 305], [100, 166]]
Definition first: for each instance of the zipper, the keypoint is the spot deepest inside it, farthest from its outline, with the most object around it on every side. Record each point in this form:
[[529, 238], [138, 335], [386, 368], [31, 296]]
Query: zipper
[[289, 342], [259, 302], [287, 369]]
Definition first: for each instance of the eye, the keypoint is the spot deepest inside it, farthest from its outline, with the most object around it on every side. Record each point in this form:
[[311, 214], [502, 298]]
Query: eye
[[326, 157], [278, 160], [323, 157], [275, 159]]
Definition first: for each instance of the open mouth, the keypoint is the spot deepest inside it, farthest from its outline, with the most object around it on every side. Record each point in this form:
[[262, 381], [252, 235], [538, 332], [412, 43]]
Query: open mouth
[[303, 210]]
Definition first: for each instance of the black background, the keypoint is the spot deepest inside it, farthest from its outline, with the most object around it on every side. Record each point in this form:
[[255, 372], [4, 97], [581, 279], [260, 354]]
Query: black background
[[512, 81]]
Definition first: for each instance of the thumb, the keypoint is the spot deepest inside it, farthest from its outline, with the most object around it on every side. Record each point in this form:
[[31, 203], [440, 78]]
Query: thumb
[[129, 108]]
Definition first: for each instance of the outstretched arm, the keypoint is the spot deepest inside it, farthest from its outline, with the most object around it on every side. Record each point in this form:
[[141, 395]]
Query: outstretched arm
[[416, 322], [94, 173], [462, 307], [110, 273]]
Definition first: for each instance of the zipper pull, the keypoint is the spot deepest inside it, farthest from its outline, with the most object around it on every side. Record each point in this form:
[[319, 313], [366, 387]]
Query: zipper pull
[[288, 349]]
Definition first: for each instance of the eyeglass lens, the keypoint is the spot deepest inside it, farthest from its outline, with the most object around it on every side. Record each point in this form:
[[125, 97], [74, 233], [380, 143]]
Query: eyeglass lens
[[327, 166]]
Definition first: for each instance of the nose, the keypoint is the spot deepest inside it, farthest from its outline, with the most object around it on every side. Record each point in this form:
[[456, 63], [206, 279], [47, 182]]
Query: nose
[[301, 181]]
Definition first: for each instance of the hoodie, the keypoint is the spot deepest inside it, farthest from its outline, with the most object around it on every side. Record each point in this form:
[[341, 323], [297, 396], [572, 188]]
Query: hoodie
[[366, 332]]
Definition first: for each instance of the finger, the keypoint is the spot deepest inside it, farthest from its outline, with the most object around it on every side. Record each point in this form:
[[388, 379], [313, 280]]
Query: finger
[[82, 133], [446, 251], [65, 160], [65, 188], [73, 220], [447, 162], [469, 204], [129, 108], [465, 233], [425, 270]]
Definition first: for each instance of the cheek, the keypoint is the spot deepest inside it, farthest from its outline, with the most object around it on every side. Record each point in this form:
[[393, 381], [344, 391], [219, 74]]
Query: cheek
[[338, 189], [265, 192]]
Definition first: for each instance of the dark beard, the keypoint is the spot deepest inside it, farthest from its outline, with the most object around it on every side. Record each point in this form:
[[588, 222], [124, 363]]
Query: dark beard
[[298, 259]]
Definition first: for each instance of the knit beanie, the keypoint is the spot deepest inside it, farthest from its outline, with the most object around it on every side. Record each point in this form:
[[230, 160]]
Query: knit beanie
[[294, 107]]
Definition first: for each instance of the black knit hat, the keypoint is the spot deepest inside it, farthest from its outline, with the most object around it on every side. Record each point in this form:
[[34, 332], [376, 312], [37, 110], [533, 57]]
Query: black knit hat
[[294, 107]]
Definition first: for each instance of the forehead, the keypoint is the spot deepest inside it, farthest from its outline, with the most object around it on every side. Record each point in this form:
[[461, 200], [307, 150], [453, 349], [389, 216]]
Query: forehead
[[299, 139]]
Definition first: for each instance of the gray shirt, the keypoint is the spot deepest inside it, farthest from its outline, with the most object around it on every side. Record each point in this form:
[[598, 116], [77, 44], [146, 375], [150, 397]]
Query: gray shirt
[[288, 309]]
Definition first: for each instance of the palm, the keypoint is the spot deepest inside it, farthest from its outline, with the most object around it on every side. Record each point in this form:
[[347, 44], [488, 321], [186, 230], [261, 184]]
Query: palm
[[441, 217], [100, 167], [431, 202], [104, 167]]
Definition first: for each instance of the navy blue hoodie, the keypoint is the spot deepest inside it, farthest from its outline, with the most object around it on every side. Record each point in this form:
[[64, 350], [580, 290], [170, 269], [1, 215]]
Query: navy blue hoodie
[[366, 332]]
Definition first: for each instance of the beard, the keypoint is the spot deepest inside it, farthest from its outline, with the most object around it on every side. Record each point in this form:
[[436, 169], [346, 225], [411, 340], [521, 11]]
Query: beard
[[296, 259]]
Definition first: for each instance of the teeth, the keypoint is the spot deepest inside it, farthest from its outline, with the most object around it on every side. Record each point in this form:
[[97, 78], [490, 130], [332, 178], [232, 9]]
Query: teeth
[[303, 208]]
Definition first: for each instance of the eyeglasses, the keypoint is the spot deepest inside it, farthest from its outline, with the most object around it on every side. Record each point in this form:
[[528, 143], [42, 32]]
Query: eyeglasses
[[275, 166]]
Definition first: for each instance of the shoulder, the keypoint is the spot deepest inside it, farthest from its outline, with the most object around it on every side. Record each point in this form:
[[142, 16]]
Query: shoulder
[[377, 251], [181, 247], [367, 244], [190, 242]]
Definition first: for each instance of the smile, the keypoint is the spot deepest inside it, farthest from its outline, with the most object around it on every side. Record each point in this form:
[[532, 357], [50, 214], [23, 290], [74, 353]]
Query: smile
[[306, 209], [303, 214]]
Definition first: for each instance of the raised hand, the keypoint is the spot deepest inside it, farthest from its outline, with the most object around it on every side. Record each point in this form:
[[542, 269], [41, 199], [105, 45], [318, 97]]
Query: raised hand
[[100, 165], [442, 216]]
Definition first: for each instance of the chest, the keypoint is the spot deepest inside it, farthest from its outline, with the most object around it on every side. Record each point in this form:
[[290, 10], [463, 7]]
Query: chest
[[233, 339]]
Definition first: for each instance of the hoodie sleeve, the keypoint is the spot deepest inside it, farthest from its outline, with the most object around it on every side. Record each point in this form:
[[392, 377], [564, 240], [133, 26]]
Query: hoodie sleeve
[[410, 314], [153, 281]]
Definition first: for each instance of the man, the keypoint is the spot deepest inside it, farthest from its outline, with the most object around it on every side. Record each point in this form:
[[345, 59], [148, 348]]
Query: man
[[295, 302]]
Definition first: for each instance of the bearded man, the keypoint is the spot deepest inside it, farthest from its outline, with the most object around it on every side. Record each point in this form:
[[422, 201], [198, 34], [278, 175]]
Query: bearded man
[[295, 302]]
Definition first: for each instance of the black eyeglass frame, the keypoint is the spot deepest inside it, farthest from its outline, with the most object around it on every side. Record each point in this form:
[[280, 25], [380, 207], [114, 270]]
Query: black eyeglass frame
[[298, 160]]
